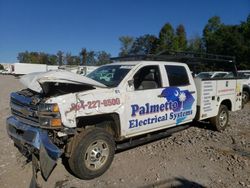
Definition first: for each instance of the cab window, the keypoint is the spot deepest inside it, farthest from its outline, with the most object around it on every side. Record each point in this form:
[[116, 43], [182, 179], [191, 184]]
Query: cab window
[[177, 75], [147, 77]]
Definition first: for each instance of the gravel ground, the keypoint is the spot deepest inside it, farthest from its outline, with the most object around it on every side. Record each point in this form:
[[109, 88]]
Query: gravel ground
[[195, 157]]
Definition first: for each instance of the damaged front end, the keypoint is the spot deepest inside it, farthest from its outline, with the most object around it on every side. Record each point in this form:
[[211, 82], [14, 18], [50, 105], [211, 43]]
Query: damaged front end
[[35, 123], [31, 140], [29, 137]]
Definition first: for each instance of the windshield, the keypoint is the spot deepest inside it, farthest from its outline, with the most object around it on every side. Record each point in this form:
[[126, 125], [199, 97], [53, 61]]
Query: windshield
[[110, 75]]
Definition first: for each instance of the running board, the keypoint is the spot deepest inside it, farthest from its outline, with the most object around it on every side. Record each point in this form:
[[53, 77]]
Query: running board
[[132, 142]]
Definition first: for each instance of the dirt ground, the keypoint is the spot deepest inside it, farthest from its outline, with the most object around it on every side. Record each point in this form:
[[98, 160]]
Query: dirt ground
[[195, 157]]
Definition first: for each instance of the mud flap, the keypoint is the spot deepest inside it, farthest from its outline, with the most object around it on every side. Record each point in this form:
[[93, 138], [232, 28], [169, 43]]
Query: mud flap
[[47, 164]]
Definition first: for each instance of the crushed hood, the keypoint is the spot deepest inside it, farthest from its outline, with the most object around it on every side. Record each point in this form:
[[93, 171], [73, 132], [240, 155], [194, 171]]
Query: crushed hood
[[34, 80]]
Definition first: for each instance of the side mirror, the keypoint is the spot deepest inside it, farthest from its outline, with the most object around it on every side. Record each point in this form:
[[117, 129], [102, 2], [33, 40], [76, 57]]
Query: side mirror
[[131, 83]]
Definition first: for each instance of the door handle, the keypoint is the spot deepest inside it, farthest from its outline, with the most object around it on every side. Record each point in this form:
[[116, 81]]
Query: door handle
[[160, 96], [192, 92]]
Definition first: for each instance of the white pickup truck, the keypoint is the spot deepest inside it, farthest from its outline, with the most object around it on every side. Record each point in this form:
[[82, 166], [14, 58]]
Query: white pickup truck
[[245, 74], [86, 119], [215, 74], [246, 85]]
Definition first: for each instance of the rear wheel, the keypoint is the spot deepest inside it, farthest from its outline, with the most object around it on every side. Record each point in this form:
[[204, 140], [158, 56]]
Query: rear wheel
[[93, 155], [245, 97], [220, 122]]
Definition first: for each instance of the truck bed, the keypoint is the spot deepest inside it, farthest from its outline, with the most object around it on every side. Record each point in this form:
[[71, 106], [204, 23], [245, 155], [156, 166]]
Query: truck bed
[[212, 92]]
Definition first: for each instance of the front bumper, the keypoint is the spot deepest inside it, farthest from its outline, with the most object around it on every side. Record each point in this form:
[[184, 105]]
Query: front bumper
[[33, 138]]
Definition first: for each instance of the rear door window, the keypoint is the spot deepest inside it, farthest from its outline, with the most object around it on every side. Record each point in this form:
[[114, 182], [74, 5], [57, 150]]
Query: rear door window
[[177, 75]]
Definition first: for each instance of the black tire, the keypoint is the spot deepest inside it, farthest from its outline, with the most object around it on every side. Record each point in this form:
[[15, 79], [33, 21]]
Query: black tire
[[245, 97], [220, 122], [93, 154]]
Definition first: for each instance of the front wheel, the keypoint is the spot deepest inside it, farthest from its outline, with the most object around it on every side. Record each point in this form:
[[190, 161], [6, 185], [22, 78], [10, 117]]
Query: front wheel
[[220, 122], [93, 155]]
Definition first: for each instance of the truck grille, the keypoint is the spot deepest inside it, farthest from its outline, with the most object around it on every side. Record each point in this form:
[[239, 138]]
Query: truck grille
[[22, 108]]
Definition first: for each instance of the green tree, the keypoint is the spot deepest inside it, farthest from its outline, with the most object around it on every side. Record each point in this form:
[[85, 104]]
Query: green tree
[[126, 44], [1, 67], [167, 39], [195, 44], [91, 58], [146, 44], [60, 57], [23, 57], [34, 57], [83, 56], [68, 59], [37, 57], [103, 58], [52, 60], [233, 40], [76, 60], [72, 60], [181, 37], [43, 58], [213, 25], [210, 38], [244, 57]]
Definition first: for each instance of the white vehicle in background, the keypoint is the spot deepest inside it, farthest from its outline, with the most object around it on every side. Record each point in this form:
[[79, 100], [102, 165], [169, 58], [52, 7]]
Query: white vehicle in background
[[7, 69], [6, 72], [27, 68], [82, 70], [85, 70], [246, 85], [70, 68], [216, 74], [52, 67]]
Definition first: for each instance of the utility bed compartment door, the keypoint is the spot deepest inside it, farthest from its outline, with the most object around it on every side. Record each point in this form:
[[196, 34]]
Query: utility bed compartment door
[[206, 98], [211, 93]]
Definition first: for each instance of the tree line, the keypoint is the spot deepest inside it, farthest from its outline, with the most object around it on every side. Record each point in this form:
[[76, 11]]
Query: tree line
[[60, 58], [217, 38]]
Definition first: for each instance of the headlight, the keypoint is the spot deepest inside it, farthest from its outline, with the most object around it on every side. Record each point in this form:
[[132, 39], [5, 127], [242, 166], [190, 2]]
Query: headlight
[[49, 116], [48, 108]]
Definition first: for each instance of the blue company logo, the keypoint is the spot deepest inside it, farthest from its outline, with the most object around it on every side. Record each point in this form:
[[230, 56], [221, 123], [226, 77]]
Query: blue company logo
[[177, 107], [183, 98]]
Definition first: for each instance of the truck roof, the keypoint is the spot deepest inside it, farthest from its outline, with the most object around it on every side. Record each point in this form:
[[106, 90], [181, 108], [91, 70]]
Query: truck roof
[[144, 62]]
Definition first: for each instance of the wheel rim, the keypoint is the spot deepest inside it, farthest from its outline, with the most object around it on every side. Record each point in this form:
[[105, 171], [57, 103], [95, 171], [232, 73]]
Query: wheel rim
[[223, 118], [96, 155], [244, 97]]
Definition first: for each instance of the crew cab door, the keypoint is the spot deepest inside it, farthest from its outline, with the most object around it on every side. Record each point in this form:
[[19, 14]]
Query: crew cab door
[[181, 89], [153, 104]]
